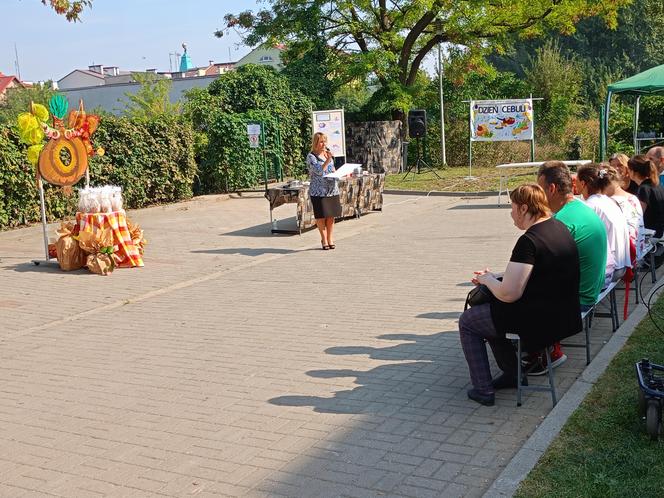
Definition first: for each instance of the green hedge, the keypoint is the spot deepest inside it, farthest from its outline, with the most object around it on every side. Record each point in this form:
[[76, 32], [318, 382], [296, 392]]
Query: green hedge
[[220, 114], [153, 161]]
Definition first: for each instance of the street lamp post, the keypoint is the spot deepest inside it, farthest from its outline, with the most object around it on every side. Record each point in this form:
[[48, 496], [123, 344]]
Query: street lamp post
[[442, 105], [439, 30]]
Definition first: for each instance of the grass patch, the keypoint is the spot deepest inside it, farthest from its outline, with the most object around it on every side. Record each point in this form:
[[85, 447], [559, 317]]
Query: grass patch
[[453, 179], [603, 449]]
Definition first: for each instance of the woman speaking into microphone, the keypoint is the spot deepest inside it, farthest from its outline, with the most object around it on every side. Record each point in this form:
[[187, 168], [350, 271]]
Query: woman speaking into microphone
[[324, 192]]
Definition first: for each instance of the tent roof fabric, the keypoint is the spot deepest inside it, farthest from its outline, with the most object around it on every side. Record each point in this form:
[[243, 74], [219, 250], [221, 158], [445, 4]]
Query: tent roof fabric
[[650, 82]]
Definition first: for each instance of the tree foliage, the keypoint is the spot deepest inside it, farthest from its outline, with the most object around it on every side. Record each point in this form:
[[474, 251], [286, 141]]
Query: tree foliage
[[391, 39], [152, 99], [606, 55], [18, 100], [556, 79], [220, 115], [71, 9]]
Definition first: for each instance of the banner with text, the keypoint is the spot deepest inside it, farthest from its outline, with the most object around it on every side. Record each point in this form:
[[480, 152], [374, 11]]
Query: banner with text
[[332, 124], [501, 120]]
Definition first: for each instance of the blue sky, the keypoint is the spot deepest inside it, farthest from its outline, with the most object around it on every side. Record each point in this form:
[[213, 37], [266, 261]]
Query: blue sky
[[133, 35]]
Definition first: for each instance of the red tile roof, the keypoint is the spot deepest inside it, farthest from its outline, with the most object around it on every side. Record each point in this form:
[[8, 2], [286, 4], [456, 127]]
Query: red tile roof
[[5, 81]]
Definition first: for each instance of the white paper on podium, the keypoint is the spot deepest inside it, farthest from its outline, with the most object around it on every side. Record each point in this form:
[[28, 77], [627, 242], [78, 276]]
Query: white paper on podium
[[344, 170]]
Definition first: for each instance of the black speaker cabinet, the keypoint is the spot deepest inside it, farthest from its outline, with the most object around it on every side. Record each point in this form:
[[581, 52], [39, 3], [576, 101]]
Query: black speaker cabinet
[[417, 123]]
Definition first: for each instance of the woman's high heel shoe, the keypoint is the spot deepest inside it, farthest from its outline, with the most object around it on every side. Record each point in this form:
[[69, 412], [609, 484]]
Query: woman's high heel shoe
[[324, 246], [331, 246]]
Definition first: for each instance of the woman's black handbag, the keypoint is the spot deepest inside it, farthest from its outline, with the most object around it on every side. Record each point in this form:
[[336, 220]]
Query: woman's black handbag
[[480, 294]]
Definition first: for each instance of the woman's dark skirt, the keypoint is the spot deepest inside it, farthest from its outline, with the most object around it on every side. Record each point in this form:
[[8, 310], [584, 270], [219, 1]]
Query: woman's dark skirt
[[326, 207]]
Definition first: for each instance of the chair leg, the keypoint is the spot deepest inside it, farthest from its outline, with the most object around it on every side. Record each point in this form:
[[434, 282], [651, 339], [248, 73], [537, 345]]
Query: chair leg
[[652, 266], [635, 283], [613, 302], [551, 379], [518, 373]]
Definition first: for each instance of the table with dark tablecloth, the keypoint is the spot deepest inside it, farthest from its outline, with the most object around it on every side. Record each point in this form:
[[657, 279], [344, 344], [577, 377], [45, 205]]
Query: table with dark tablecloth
[[358, 195]]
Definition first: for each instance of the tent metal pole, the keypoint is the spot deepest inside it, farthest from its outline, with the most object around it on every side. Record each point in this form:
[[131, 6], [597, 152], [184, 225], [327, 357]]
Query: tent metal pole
[[636, 124], [606, 121]]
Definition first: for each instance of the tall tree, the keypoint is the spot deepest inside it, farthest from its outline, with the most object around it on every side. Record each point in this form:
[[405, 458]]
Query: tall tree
[[152, 98], [71, 9], [606, 55], [391, 38]]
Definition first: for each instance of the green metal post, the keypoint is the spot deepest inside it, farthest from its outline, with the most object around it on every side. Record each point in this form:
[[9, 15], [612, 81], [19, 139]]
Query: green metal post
[[532, 142], [262, 123], [279, 150], [602, 132]]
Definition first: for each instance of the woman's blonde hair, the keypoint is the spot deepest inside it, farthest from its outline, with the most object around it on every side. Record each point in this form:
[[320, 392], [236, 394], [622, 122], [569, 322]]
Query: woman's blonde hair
[[532, 196], [317, 138], [620, 159]]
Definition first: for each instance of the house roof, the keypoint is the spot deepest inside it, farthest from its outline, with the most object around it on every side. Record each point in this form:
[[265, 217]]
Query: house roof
[[84, 71], [6, 80]]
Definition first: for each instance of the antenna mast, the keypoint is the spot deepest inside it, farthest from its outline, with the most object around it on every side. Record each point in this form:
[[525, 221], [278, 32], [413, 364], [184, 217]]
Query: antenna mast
[[16, 64]]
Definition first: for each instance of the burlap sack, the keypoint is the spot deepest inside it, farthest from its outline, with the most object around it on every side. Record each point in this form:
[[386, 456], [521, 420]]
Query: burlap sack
[[99, 247], [69, 254], [101, 264]]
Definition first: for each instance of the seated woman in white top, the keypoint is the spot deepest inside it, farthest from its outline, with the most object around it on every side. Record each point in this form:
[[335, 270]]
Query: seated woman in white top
[[592, 179], [631, 209]]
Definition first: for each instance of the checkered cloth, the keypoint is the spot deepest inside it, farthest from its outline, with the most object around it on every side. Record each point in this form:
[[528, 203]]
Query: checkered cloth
[[126, 252]]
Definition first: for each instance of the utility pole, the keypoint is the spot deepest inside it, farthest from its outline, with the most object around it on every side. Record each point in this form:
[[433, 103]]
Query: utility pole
[[439, 31], [16, 64], [442, 104]]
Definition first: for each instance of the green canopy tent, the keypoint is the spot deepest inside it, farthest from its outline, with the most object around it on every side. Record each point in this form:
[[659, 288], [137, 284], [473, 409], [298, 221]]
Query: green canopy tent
[[650, 82]]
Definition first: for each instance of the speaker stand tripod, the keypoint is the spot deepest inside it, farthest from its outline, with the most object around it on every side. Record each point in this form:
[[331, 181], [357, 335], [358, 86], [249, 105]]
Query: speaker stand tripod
[[420, 163]]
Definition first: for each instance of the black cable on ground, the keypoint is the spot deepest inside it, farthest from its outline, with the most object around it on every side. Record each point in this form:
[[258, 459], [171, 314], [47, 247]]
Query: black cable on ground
[[648, 304]]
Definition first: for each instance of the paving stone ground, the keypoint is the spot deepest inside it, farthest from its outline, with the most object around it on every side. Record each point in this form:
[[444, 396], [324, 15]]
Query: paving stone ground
[[237, 363]]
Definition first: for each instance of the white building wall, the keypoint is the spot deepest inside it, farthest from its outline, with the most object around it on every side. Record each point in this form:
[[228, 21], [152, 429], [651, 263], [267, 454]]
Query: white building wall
[[78, 79], [112, 98], [263, 56]]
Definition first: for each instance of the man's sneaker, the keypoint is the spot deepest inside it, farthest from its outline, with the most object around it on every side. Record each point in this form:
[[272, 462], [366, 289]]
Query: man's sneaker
[[536, 364]]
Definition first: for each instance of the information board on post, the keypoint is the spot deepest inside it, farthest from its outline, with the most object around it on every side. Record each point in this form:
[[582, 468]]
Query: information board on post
[[332, 124], [501, 120], [254, 133]]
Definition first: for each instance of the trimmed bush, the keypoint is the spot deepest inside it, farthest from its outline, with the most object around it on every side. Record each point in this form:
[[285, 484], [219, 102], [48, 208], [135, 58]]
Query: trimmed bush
[[153, 162], [252, 93]]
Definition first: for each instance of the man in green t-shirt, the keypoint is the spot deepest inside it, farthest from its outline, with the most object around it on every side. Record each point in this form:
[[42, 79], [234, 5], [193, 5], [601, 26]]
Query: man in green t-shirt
[[588, 232]]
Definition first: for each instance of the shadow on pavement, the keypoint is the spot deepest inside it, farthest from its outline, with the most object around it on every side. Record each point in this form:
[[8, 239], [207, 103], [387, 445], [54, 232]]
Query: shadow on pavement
[[440, 315], [404, 412], [423, 379], [481, 206], [263, 230], [44, 268], [247, 251]]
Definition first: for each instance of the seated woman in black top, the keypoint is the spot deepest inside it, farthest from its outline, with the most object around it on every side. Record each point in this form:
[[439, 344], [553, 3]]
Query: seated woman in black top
[[538, 297], [650, 193]]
